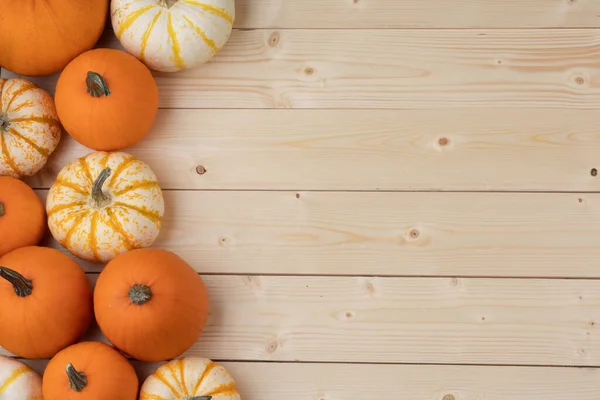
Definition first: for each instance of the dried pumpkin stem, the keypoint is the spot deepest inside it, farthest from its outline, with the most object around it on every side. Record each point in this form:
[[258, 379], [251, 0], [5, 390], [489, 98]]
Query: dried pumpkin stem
[[201, 398], [96, 85], [98, 195], [22, 286], [1, 209], [167, 3], [4, 122], [140, 294], [77, 379]]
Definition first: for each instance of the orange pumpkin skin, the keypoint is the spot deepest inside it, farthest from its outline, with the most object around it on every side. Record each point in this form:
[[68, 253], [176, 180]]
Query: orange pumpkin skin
[[48, 308], [40, 37], [22, 215], [106, 99], [150, 304], [96, 370]]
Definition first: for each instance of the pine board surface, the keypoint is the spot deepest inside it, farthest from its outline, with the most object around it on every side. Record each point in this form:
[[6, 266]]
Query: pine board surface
[[398, 198]]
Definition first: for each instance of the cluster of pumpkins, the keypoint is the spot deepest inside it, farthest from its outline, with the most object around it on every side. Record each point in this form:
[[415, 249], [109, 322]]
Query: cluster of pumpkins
[[106, 206]]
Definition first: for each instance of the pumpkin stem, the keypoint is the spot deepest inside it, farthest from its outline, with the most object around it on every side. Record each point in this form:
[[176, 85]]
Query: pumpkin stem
[[77, 379], [99, 197], [1, 209], [4, 122], [140, 294], [167, 3], [96, 85], [201, 398], [22, 286]]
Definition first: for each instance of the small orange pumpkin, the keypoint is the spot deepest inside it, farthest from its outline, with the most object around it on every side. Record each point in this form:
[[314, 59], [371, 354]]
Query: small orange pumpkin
[[22, 215], [89, 371], [46, 302], [150, 304], [106, 99]]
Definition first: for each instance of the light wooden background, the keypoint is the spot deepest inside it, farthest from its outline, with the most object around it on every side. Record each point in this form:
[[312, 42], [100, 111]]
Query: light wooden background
[[399, 199]]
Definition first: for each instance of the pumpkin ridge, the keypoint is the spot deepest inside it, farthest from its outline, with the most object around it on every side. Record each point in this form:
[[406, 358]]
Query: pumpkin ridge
[[26, 103], [26, 87], [104, 162], [62, 207], [210, 365], [205, 38], [76, 224], [161, 378], [120, 169], [86, 169], [136, 186], [151, 215], [148, 396], [43, 120], [130, 19], [116, 225], [177, 60], [221, 12], [181, 364], [7, 157], [228, 389], [147, 34], [41, 150], [2, 83], [13, 377], [93, 239], [72, 186]]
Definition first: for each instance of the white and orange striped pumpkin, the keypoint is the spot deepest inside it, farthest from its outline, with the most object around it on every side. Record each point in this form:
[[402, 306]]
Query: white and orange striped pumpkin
[[29, 127], [190, 378], [172, 35], [18, 381], [105, 204]]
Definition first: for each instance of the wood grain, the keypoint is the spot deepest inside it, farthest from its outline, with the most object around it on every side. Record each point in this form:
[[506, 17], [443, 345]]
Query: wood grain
[[402, 320], [419, 234], [391, 69], [276, 381], [416, 14], [487, 150]]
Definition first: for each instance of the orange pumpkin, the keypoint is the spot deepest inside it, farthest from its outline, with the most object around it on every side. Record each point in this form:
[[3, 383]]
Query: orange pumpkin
[[150, 304], [46, 302], [89, 371], [106, 99], [40, 37], [22, 215]]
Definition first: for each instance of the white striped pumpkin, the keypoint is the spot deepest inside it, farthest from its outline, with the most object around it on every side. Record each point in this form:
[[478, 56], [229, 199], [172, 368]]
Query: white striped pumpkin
[[172, 35], [18, 381], [29, 127], [190, 378], [105, 204]]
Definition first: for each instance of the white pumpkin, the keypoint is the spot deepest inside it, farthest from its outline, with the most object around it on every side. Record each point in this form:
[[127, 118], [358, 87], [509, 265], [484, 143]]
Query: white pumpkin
[[18, 381], [29, 127], [172, 35], [190, 378], [104, 204]]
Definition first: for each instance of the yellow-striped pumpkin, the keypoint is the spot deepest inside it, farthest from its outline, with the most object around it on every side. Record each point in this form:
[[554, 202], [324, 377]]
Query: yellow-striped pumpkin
[[104, 204], [172, 35], [18, 381], [190, 378], [29, 127]]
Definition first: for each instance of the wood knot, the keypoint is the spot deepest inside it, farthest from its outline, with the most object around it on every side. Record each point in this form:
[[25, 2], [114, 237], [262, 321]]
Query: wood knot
[[454, 281], [414, 233], [448, 397], [349, 315], [274, 39], [579, 80], [309, 71], [369, 287], [443, 141], [297, 195], [594, 172], [272, 347], [200, 170]]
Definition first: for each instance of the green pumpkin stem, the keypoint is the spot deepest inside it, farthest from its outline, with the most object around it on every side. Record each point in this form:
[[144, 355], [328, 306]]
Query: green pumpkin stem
[[1, 209], [22, 286], [96, 85], [140, 294], [98, 195], [167, 3], [77, 379]]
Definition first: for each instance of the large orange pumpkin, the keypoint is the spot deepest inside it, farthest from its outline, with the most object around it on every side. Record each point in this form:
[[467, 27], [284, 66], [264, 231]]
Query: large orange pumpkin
[[22, 215], [40, 37], [46, 302], [89, 371], [106, 99], [150, 304]]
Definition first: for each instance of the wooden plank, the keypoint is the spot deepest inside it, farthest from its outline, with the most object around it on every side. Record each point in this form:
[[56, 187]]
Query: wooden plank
[[416, 13], [392, 69], [401, 234], [276, 381], [402, 320], [495, 149]]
